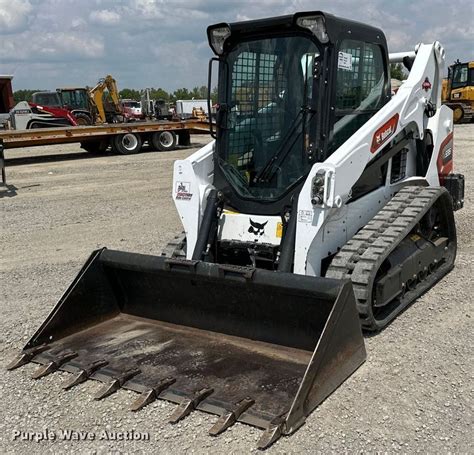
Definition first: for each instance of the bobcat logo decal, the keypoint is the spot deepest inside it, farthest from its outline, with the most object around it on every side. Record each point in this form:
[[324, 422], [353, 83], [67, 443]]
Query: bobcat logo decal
[[257, 229]]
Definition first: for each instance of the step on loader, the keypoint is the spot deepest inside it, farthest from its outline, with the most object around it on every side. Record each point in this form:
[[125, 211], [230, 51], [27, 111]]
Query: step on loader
[[323, 206]]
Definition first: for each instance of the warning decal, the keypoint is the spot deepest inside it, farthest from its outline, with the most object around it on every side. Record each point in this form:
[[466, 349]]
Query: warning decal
[[344, 61]]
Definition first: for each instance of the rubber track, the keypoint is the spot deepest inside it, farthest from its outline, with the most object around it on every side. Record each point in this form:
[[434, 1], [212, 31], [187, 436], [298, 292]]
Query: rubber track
[[362, 256], [175, 248]]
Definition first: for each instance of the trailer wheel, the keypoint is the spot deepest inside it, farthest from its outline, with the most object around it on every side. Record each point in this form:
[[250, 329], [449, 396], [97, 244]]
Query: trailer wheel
[[83, 119], [164, 141], [127, 144]]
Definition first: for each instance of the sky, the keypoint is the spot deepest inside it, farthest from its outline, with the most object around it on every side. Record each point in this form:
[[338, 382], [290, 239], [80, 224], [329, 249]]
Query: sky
[[162, 43]]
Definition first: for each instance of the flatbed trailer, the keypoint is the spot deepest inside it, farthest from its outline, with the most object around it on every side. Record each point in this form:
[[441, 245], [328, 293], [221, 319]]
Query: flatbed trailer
[[124, 138]]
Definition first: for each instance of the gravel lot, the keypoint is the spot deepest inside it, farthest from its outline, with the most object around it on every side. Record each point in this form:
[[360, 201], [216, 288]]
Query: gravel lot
[[414, 393]]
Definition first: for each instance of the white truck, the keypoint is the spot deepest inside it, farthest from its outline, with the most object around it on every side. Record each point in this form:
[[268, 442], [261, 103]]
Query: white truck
[[184, 108]]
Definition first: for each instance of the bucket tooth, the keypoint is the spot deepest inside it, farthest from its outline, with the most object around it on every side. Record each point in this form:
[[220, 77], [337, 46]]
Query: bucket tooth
[[107, 389], [189, 405], [228, 419], [26, 356], [116, 383], [150, 395], [145, 398], [54, 364], [270, 435], [84, 374]]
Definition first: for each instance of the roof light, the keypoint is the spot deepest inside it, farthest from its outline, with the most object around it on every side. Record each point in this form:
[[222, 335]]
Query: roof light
[[217, 37], [316, 25]]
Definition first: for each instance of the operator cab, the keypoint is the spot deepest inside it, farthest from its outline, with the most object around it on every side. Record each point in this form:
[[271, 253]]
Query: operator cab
[[75, 98], [291, 90]]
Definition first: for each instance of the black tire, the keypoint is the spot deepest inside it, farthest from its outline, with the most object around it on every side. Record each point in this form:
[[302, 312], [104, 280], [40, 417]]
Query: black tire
[[95, 147], [83, 119], [117, 118], [164, 141], [127, 144]]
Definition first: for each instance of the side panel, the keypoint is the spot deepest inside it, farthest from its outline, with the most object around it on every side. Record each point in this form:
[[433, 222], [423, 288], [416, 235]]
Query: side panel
[[192, 179], [343, 168], [441, 126], [334, 229], [21, 115]]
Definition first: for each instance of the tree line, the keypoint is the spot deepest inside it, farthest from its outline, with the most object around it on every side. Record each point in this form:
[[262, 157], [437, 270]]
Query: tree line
[[397, 72], [134, 94]]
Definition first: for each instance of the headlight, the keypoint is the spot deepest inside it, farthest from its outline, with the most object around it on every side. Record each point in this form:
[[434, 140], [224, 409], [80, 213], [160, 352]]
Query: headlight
[[316, 25], [217, 37]]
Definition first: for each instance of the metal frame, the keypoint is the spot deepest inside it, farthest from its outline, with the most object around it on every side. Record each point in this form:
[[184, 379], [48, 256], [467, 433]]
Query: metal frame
[[44, 136]]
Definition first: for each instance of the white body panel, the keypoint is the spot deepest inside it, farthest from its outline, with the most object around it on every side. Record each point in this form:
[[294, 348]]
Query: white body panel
[[250, 228], [323, 228], [192, 179], [21, 115]]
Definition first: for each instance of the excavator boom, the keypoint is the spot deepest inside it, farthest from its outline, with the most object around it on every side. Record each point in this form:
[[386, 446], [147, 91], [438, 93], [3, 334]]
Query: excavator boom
[[96, 95]]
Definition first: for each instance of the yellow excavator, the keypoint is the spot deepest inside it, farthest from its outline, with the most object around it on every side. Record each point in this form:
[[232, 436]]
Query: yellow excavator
[[458, 91], [106, 109]]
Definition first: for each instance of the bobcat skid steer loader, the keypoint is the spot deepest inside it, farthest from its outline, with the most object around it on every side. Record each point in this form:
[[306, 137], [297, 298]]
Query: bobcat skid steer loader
[[324, 206]]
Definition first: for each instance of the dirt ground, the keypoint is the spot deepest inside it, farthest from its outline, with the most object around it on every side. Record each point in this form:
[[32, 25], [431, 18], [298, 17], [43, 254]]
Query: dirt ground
[[414, 393]]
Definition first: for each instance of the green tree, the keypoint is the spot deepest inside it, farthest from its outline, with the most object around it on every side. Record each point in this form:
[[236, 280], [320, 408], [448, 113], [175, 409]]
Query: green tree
[[214, 95], [199, 92], [159, 94], [181, 94], [129, 93], [24, 95], [397, 71]]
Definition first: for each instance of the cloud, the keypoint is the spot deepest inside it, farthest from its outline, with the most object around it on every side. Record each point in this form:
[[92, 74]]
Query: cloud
[[51, 47], [14, 15], [163, 43], [104, 17]]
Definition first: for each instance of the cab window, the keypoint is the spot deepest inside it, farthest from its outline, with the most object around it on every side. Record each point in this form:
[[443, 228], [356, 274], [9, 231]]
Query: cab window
[[460, 74], [360, 87]]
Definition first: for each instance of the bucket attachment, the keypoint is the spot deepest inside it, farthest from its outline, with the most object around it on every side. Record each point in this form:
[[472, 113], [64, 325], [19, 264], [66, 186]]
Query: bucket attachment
[[249, 345]]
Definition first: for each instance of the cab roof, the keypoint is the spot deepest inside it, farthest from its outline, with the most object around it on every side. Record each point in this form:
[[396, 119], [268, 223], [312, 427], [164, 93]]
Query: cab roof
[[336, 27]]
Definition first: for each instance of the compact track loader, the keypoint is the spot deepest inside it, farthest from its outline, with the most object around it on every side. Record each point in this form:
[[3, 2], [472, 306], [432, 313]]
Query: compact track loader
[[324, 206]]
